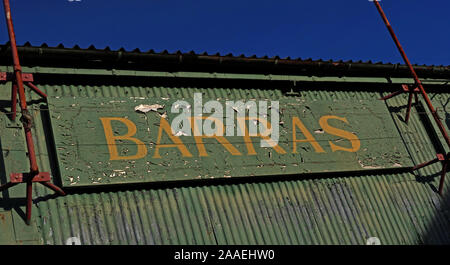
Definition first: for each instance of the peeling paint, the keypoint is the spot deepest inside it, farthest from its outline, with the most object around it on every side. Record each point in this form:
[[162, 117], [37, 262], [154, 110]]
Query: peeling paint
[[146, 108]]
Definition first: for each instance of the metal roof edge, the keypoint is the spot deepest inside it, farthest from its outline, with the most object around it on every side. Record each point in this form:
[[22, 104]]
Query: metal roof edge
[[234, 76], [121, 59]]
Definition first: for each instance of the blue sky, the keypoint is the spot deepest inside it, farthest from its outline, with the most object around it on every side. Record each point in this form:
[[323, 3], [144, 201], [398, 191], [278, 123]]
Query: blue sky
[[318, 29]]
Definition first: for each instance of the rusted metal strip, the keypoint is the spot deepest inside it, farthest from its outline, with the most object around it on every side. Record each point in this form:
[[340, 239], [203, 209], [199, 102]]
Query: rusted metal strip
[[26, 77], [419, 85], [53, 187], [391, 95], [19, 82], [27, 121], [35, 89], [422, 165], [413, 73], [22, 177]]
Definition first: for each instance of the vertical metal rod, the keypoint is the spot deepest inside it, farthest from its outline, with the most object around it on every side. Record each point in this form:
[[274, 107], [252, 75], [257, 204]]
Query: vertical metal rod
[[26, 117], [413, 73], [19, 82], [12, 39]]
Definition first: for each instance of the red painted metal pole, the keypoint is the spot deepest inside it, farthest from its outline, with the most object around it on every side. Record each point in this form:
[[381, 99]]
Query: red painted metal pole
[[37, 90], [422, 90], [53, 187], [413, 73], [26, 117], [419, 166], [391, 95]]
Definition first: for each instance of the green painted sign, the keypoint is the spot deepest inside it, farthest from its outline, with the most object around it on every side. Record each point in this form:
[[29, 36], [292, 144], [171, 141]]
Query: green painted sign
[[130, 140]]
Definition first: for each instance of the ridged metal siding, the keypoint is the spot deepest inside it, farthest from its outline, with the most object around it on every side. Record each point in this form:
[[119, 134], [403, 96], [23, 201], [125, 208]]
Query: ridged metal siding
[[396, 208]]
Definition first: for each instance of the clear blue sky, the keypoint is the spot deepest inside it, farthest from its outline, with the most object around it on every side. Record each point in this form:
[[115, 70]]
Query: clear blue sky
[[318, 29]]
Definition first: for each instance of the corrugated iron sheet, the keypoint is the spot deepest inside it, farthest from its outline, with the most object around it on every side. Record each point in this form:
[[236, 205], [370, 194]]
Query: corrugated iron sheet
[[332, 211], [170, 61], [192, 52], [396, 208]]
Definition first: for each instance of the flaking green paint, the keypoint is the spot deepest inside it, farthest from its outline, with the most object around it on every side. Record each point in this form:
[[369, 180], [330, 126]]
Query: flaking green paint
[[85, 159]]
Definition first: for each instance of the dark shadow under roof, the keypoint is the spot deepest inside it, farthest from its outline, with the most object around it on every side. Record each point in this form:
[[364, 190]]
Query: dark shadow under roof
[[93, 57]]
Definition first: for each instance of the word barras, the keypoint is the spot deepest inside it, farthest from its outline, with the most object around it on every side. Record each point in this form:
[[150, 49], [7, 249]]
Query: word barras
[[115, 141], [257, 111], [353, 143]]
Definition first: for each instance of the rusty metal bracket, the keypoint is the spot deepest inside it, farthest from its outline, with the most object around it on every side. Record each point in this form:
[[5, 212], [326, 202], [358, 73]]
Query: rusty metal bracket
[[411, 90], [28, 178], [20, 177], [27, 80], [418, 84], [5, 77], [18, 79], [445, 160]]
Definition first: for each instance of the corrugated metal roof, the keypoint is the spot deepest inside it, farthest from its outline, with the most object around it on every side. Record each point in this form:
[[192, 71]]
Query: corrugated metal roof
[[121, 58], [396, 208], [192, 52]]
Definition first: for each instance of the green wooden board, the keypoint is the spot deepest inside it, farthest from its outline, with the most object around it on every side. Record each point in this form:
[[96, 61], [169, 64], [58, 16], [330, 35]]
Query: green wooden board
[[358, 135]]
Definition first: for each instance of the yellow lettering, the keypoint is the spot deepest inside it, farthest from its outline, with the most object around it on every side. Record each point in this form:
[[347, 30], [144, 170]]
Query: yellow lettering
[[264, 136], [221, 139], [356, 144], [111, 139], [296, 122], [164, 125]]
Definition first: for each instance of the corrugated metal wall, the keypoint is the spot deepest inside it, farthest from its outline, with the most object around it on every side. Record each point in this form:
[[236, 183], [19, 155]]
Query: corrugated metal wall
[[396, 208], [332, 211]]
